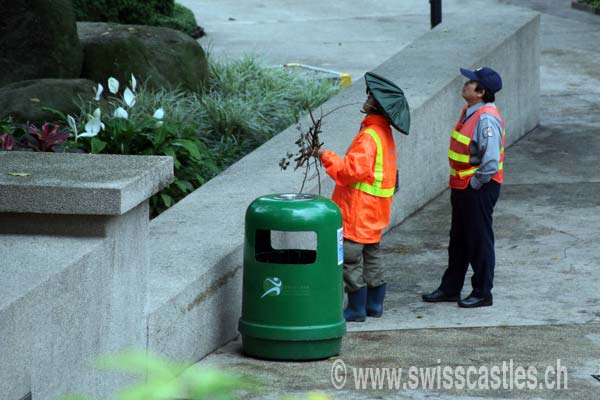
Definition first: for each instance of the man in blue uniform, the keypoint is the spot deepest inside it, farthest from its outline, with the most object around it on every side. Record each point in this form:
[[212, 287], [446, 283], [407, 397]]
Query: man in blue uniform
[[476, 157]]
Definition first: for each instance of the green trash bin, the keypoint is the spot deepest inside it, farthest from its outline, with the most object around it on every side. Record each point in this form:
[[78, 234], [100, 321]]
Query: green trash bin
[[292, 284]]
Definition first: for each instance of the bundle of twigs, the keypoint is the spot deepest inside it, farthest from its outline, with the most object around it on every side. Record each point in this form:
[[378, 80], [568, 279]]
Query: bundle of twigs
[[308, 147]]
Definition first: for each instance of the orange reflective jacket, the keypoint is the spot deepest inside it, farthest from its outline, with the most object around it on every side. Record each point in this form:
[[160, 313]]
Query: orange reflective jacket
[[365, 180], [459, 154]]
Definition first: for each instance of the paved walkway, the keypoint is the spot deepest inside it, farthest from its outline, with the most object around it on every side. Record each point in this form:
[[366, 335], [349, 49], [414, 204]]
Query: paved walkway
[[547, 295]]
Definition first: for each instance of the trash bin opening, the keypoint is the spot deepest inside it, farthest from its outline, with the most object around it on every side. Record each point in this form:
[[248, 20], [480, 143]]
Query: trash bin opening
[[282, 247]]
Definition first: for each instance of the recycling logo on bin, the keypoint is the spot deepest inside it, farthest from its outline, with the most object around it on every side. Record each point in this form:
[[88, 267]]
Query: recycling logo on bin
[[272, 287]]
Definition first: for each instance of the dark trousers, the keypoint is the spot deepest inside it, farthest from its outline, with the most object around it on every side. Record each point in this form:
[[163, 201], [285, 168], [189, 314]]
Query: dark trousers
[[471, 240]]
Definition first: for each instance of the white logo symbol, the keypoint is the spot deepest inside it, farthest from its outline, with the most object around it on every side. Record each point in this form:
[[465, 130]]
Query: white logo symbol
[[272, 287], [338, 374]]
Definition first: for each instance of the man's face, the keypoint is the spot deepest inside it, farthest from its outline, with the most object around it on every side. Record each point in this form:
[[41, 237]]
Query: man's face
[[370, 105], [469, 93]]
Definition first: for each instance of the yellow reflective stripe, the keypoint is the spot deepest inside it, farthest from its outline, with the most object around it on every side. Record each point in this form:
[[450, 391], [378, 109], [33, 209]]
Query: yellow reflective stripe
[[372, 190], [467, 172], [375, 189], [378, 158], [458, 157], [459, 137], [501, 150], [463, 173], [501, 165]]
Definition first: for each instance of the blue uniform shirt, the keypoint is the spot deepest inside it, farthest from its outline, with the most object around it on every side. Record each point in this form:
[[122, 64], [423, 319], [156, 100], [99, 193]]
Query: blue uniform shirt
[[485, 145]]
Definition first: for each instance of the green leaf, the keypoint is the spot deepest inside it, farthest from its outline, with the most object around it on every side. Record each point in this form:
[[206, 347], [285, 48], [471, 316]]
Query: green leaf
[[190, 146], [167, 200], [167, 151], [158, 137], [201, 180], [56, 112], [184, 186], [97, 145]]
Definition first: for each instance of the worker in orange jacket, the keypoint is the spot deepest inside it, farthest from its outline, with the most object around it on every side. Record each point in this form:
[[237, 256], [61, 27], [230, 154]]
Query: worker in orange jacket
[[365, 181]]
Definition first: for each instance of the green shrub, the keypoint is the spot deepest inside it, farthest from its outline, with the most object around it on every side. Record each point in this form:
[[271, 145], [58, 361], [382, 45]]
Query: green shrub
[[181, 19], [164, 7], [243, 105], [122, 11], [164, 13]]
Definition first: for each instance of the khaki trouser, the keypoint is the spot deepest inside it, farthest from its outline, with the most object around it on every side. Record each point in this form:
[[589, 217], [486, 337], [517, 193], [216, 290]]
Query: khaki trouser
[[362, 265]]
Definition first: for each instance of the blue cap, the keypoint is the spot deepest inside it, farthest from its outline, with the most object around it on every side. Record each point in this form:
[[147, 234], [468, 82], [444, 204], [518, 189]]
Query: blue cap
[[487, 77]]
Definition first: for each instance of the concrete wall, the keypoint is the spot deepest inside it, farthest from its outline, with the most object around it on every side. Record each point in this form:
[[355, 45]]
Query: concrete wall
[[196, 259], [73, 286]]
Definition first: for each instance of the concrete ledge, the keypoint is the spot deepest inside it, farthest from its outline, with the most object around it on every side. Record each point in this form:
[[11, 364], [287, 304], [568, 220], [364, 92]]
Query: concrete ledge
[[74, 284], [79, 183], [195, 246]]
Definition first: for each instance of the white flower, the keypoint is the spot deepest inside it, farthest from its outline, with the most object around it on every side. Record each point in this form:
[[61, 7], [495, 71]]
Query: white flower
[[158, 124], [87, 134], [133, 83], [99, 90], [159, 114], [129, 97], [121, 113], [96, 115], [92, 128], [72, 124], [113, 85]]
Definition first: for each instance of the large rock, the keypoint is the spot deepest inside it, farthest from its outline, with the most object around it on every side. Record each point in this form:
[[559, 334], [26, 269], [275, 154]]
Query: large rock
[[38, 39], [26, 100], [163, 57]]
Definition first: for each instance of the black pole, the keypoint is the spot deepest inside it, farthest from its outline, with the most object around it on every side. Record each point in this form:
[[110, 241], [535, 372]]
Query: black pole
[[436, 12]]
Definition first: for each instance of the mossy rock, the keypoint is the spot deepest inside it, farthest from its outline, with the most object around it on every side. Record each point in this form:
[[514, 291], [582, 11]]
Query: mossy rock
[[162, 57], [26, 101], [39, 40]]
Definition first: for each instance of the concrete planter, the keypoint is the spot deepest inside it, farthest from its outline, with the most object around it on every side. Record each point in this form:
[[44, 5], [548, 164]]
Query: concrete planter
[[585, 7]]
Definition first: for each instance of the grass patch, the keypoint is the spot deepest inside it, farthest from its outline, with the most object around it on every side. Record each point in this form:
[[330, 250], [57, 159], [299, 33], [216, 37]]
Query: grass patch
[[244, 105], [591, 2]]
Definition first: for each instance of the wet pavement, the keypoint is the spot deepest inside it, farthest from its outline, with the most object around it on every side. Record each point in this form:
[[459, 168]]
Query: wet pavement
[[547, 224]]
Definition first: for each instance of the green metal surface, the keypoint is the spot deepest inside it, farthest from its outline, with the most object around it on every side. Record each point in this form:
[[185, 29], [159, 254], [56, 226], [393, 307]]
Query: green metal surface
[[285, 350], [292, 298]]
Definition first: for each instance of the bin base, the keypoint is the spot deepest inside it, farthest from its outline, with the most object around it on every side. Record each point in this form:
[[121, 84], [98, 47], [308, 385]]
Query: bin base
[[271, 349]]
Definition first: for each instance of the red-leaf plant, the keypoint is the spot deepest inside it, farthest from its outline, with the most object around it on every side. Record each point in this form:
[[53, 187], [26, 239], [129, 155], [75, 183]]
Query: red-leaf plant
[[45, 140], [7, 142]]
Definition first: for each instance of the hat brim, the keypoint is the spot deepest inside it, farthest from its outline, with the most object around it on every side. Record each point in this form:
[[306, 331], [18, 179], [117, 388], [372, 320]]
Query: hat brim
[[469, 74], [391, 99]]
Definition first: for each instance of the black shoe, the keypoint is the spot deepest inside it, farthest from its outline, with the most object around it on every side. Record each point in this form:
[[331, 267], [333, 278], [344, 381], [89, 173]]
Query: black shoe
[[474, 300], [438, 296]]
